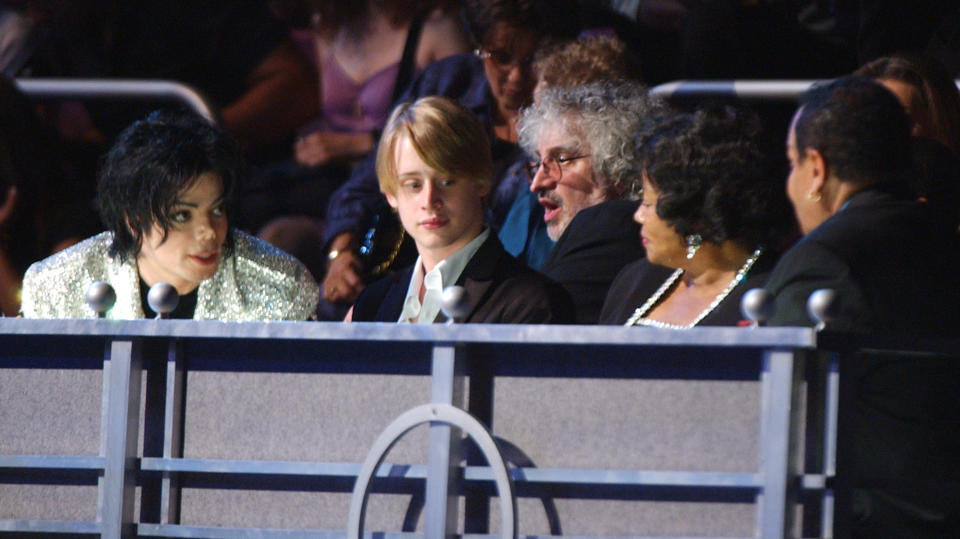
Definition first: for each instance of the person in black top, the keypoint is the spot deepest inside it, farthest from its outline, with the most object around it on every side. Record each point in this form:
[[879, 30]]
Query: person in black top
[[435, 169], [711, 221], [895, 268]]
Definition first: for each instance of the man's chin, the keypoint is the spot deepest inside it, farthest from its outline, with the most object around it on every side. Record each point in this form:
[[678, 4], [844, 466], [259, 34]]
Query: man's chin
[[554, 231]]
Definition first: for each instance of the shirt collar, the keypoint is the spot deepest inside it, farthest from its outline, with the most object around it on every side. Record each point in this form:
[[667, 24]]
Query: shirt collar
[[447, 272]]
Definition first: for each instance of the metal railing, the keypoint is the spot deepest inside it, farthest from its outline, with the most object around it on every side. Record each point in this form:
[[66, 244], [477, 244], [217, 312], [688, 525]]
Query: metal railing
[[123, 89], [450, 357], [749, 90]]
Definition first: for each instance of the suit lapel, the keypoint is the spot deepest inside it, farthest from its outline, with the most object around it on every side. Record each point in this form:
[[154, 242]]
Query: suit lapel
[[392, 304], [477, 276]]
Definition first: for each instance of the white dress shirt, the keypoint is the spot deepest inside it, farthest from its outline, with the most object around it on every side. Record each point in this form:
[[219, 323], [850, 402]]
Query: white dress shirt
[[444, 274]]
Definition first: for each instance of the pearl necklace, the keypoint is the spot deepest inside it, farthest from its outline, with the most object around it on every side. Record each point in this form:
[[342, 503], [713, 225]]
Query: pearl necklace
[[637, 319]]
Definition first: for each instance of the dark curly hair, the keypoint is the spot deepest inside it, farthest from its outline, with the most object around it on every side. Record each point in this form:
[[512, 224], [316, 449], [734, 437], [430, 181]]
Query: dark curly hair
[[712, 177], [151, 163]]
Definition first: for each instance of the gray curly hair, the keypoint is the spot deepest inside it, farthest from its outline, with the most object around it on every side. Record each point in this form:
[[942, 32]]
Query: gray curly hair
[[603, 117]]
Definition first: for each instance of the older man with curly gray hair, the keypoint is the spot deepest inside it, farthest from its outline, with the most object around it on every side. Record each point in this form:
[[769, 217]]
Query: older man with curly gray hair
[[583, 171], [581, 142]]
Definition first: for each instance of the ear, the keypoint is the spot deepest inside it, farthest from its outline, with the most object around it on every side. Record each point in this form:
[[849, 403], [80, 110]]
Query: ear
[[130, 228], [819, 170], [391, 199], [482, 190]]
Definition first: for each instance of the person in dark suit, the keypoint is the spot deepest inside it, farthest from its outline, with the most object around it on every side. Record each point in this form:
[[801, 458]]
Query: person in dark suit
[[711, 221], [435, 169], [581, 142], [494, 82], [894, 266]]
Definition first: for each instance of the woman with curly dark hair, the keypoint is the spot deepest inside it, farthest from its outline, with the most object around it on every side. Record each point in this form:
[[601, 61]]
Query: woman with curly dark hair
[[711, 219]]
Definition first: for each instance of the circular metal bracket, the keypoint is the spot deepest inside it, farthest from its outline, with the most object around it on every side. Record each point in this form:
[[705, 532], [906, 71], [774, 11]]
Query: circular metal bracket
[[428, 413]]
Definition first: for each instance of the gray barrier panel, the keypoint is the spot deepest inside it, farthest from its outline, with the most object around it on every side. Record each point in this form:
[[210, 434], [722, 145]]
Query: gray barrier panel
[[212, 351]]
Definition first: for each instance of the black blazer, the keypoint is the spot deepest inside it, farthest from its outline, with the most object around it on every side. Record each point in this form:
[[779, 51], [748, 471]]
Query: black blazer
[[597, 244], [896, 270], [499, 288]]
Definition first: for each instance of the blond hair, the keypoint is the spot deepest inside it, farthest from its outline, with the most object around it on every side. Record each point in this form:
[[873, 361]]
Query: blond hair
[[448, 137]]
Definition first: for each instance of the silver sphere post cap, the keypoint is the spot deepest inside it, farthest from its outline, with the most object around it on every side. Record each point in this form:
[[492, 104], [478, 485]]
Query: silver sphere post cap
[[163, 299], [454, 303], [101, 297], [823, 306], [757, 305]]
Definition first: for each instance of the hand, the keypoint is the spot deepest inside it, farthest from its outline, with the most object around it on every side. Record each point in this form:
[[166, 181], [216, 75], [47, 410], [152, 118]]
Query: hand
[[325, 147], [343, 283], [9, 203]]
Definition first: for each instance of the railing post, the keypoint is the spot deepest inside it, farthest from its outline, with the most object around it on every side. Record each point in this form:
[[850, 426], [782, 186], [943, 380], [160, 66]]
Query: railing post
[[780, 418], [173, 432], [123, 417], [832, 406], [446, 387]]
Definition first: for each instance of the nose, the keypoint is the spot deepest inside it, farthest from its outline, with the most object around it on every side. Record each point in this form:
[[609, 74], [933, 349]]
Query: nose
[[431, 195], [517, 72], [204, 230], [542, 180], [639, 216]]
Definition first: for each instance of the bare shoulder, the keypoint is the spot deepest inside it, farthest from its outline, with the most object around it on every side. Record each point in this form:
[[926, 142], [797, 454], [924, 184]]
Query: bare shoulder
[[442, 35]]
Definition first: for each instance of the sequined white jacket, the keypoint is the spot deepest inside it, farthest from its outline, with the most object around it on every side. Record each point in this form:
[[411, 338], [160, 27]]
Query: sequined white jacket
[[255, 282]]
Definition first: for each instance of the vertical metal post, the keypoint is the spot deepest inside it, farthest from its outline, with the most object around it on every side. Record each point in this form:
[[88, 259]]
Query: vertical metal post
[[104, 406], [780, 427], [172, 432], [476, 514], [446, 387], [123, 417], [832, 406]]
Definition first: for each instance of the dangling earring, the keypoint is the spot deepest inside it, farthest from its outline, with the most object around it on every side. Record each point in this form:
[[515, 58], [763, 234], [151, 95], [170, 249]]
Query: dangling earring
[[693, 243]]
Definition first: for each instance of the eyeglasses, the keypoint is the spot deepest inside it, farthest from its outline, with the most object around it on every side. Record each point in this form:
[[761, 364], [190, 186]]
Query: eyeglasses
[[501, 59], [551, 165]]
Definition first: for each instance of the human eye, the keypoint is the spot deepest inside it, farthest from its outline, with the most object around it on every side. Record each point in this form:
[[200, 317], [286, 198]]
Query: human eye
[[447, 182], [219, 211], [531, 168], [180, 216], [501, 57], [411, 185], [565, 158]]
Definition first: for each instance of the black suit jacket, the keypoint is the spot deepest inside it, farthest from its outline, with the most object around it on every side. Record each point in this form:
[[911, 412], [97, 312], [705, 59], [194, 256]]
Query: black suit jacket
[[597, 244], [499, 288], [896, 271], [895, 268]]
